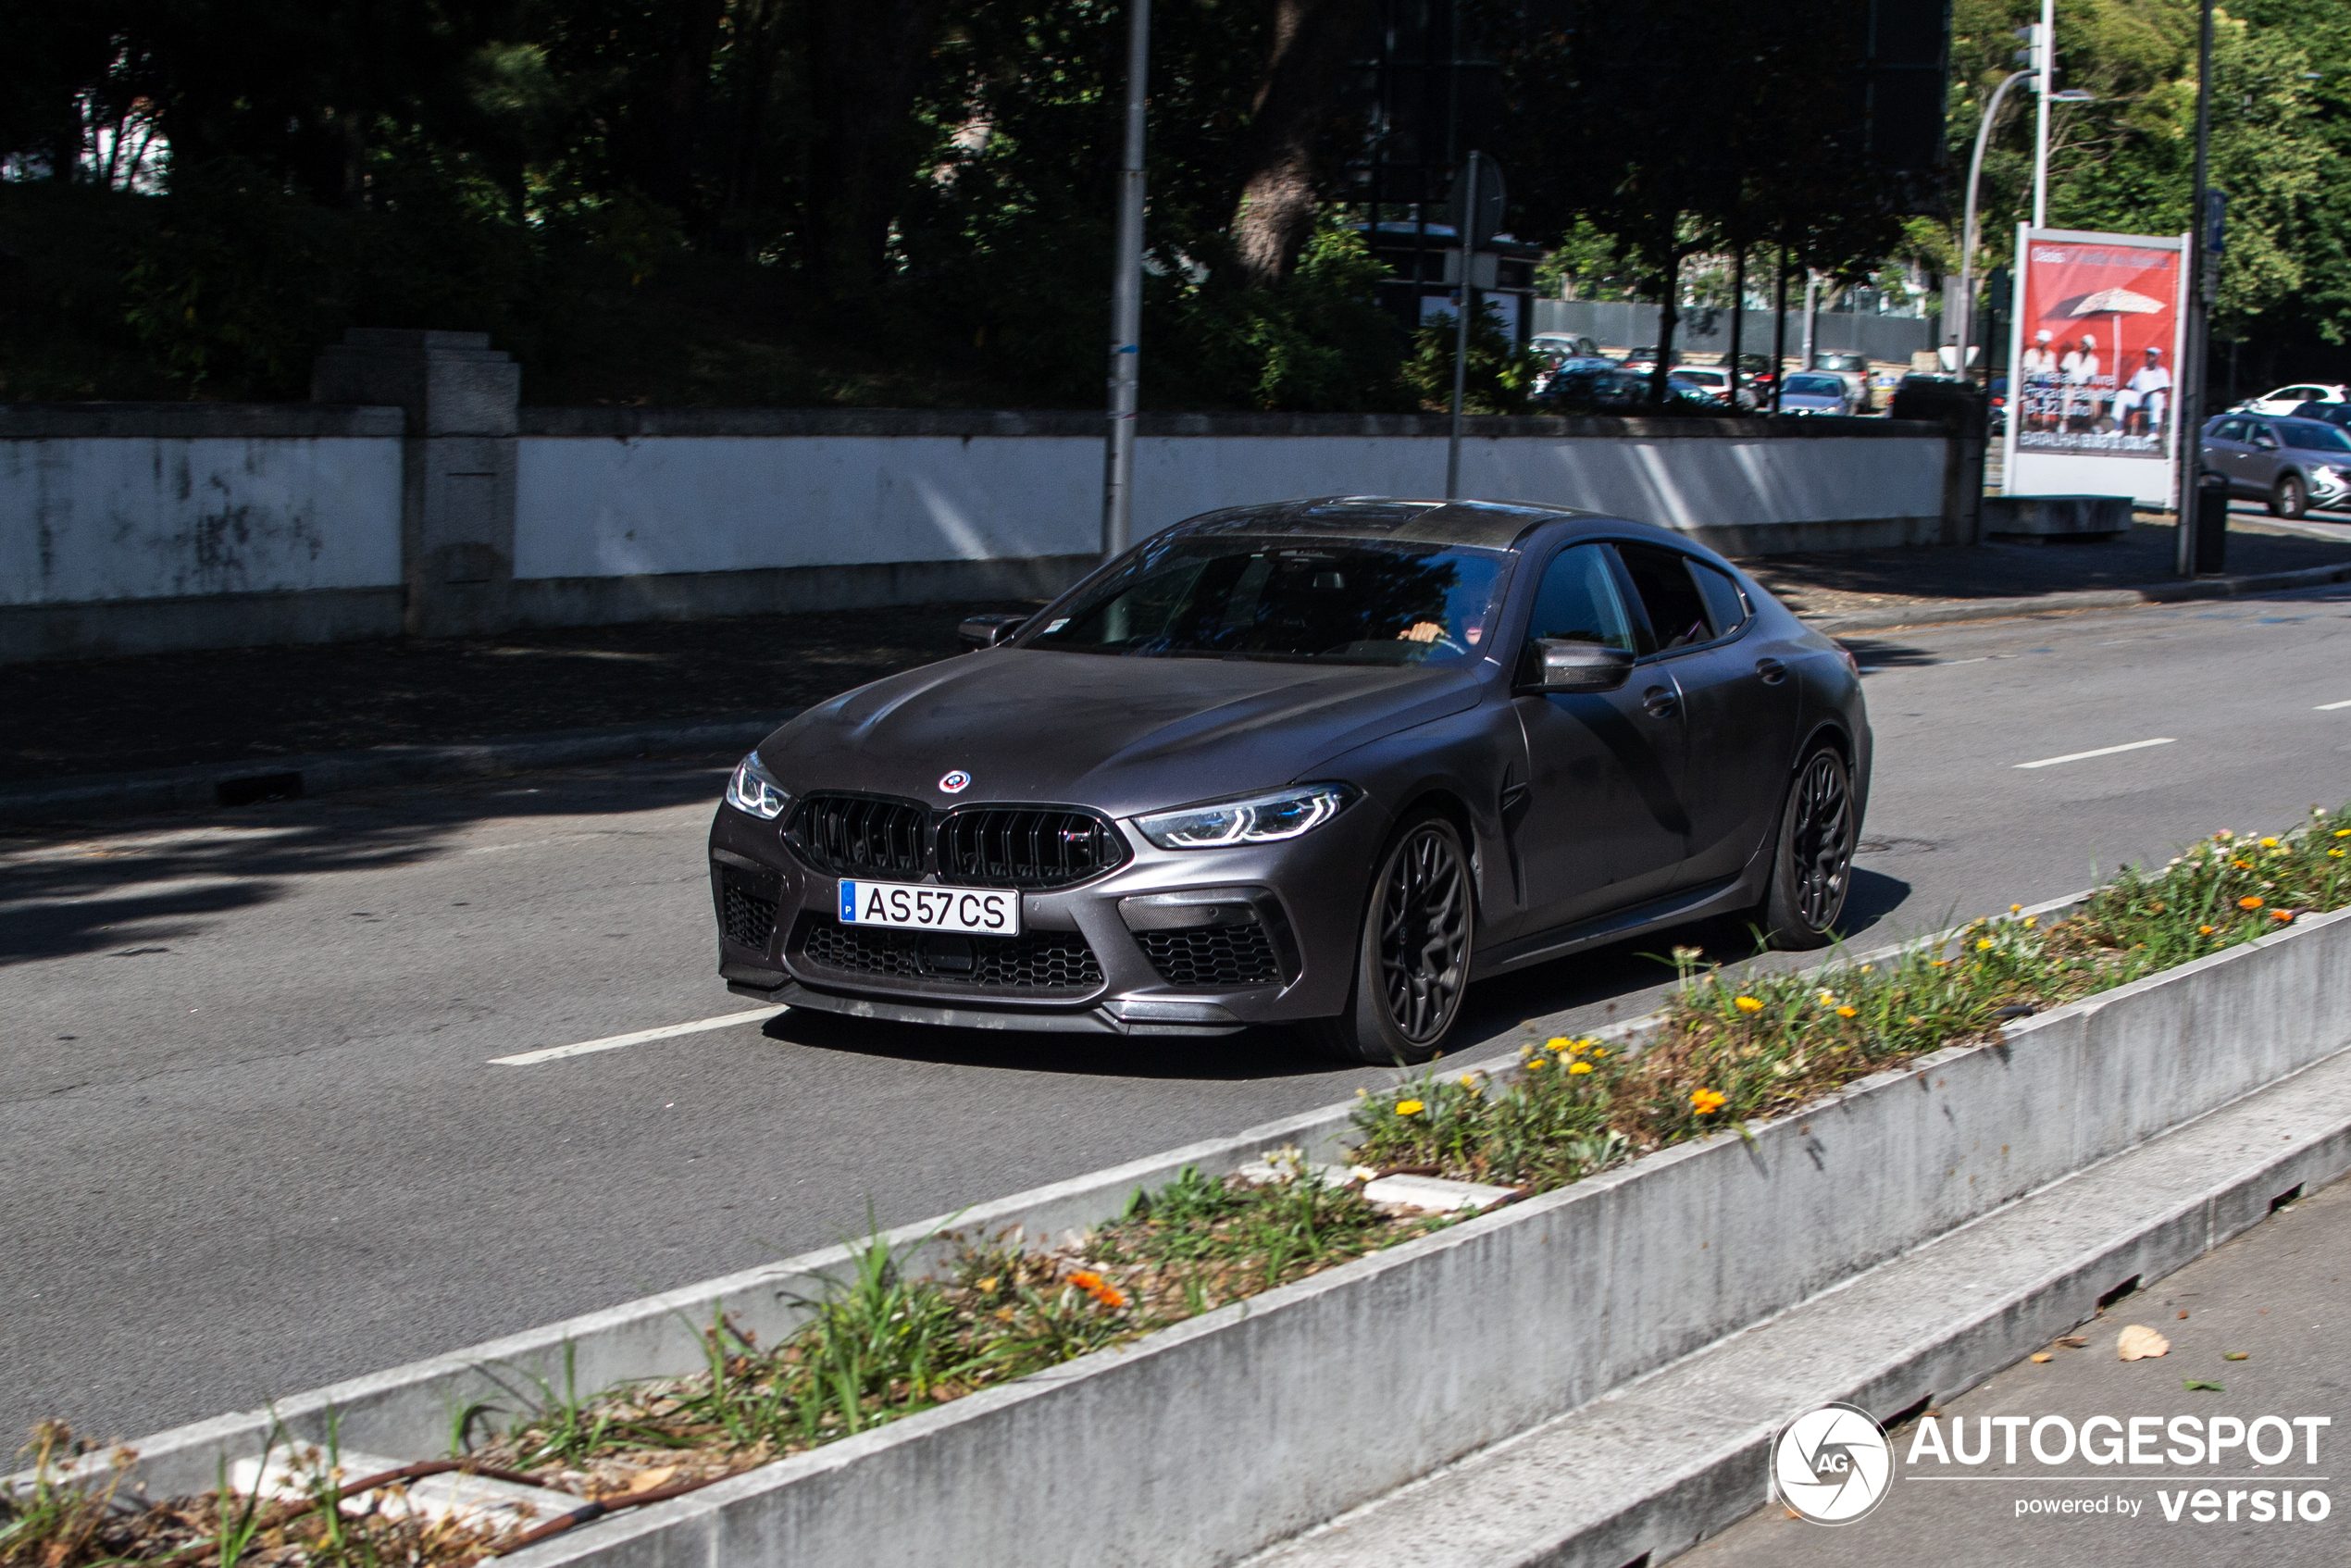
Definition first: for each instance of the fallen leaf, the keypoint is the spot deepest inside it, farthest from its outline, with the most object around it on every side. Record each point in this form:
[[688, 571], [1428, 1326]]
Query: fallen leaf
[[2183, 1311], [645, 1481], [2194, 1385], [2072, 1341], [2139, 1342], [2040, 1355], [2237, 1355]]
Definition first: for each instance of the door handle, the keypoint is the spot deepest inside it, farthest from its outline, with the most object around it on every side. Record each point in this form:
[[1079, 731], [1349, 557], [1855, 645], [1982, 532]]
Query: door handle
[[1661, 701], [1771, 670]]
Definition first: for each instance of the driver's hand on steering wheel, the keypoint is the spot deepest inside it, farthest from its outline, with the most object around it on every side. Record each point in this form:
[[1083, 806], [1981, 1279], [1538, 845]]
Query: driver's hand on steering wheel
[[1421, 631]]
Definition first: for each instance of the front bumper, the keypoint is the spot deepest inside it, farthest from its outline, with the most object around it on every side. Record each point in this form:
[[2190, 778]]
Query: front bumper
[[1171, 942]]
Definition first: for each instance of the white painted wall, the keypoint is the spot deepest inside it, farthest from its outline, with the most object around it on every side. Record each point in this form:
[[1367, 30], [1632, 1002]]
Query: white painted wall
[[602, 507], [86, 518]]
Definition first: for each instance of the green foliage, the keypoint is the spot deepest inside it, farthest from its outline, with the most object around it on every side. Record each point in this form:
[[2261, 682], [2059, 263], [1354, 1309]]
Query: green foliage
[[1317, 341], [1499, 377]]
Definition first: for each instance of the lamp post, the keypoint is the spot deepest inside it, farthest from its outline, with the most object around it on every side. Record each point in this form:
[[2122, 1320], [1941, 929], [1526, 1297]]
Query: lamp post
[[2187, 392], [1967, 229], [1127, 298]]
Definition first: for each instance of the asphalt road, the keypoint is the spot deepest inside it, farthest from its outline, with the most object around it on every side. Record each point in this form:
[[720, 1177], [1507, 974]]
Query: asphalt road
[[2273, 1296], [252, 1140]]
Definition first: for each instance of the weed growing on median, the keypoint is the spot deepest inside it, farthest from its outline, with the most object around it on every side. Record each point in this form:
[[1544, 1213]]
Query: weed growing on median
[[1731, 1048]]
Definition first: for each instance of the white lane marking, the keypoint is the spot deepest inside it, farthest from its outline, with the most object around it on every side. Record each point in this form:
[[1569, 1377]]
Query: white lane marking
[[2101, 752], [614, 1042], [2329, 707]]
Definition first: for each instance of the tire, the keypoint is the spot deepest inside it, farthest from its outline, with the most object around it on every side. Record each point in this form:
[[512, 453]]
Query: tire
[[1811, 856], [1412, 959], [2288, 498]]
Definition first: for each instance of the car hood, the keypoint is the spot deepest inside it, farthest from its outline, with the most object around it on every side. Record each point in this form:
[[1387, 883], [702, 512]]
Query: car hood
[[1123, 735]]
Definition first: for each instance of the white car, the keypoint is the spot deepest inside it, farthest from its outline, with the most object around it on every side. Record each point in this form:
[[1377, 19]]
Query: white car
[[2286, 400], [1713, 381]]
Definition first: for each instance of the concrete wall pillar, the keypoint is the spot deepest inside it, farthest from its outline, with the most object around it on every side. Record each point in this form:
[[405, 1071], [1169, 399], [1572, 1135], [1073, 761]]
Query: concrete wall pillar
[[457, 467]]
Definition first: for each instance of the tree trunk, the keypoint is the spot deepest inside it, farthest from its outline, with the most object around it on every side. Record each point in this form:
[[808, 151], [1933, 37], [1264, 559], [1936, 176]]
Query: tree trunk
[[866, 59], [1669, 316], [1296, 94]]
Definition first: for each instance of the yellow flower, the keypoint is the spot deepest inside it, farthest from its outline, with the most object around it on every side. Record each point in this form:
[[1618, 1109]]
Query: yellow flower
[[1578, 1047], [1747, 1004], [1536, 1064], [1469, 1080], [1600, 1050], [2269, 843], [1847, 1012], [2031, 921], [2342, 832], [2205, 930], [1579, 1066], [2016, 909], [1706, 1101], [1410, 1107], [2334, 854], [1558, 1044], [1982, 943], [2249, 902]]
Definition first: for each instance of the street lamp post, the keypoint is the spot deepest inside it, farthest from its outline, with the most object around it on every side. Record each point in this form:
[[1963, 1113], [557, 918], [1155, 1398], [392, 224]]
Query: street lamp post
[[1967, 229], [1127, 298], [2189, 378]]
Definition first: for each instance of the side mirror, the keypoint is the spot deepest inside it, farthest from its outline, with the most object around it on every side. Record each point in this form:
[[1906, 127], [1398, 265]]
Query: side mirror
[[986, 631], [1562, 666]]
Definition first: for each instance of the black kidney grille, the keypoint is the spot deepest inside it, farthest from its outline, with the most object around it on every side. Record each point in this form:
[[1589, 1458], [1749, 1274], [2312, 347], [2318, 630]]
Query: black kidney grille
[[861, 835], [1042, 961], [1213, 955], [1026, 846], [746, 918]]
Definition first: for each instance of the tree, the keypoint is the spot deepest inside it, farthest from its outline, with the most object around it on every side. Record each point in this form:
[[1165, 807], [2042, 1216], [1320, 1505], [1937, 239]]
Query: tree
[[1307, 46]]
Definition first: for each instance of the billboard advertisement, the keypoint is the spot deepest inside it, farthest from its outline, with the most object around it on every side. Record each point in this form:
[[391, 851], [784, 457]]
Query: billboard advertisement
[[2096, 336]]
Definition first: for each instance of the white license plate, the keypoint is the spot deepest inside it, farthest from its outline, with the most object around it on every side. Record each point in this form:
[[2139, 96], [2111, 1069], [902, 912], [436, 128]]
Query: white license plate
[[985, 912]]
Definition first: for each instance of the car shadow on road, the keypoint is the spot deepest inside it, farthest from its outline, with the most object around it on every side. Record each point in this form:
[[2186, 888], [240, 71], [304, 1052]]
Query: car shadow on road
[[1622, 981]]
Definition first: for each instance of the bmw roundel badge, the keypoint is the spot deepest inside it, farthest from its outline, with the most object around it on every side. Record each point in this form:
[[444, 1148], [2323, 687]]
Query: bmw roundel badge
[[954, 783]]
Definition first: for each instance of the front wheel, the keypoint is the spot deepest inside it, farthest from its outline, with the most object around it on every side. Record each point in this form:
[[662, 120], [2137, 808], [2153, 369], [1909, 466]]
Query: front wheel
[[1412, 962], [2289, 499], [1812, 859]]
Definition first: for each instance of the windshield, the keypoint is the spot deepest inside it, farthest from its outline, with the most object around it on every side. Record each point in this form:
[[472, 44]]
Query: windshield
[[2308, 435], [1816, 386], [1364, 601]]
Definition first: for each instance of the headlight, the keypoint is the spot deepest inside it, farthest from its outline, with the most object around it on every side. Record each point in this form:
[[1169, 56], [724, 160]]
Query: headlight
[[754, 790], [1254, 819]]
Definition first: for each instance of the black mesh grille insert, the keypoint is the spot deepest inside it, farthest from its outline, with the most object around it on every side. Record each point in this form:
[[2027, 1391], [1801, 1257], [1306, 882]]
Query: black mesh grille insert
[[747, 918], [1040, 962], [861, 835], [1026, 846], [1213, 955]]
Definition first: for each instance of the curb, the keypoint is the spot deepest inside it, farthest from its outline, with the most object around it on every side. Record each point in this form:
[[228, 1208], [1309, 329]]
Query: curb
[[1954, 612], [1681, 1455], [214, 785]]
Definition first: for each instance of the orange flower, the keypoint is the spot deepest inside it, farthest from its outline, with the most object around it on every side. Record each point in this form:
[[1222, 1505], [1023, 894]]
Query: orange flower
[[2249, 902], [2283, 916], [1101, 1289], [1706, 1101], [1847, 1012], [2205, 930]]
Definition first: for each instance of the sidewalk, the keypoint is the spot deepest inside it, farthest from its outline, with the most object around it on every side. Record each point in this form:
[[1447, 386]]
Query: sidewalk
[[642, 687]]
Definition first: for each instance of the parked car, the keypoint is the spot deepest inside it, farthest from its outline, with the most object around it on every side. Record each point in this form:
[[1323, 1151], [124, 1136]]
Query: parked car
[[2286, 400], [1564, 345], [1616, 390], [1855, 370], [2292, 464], [1715, 384], [2332, 413], [1640, 358], [1816, 392], [1314, 763], [1545, 376], [1999, 405]]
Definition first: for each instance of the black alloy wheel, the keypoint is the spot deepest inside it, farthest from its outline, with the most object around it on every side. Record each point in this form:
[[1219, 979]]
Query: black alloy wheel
[[2289, 499], [1413, 961], [1812, 861]]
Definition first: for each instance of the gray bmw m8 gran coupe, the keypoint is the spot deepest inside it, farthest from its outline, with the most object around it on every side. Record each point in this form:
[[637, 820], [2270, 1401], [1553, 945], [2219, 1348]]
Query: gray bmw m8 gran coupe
[[1319, 763]]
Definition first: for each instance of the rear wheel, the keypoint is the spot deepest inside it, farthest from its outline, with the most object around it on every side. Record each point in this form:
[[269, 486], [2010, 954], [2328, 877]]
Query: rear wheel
[[1412, 962], [2288, 499], [1812, 861]]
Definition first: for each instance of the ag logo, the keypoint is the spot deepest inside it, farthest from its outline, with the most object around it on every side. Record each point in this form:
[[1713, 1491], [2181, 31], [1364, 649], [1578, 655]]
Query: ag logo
[[1832, 1465], [955, 783]]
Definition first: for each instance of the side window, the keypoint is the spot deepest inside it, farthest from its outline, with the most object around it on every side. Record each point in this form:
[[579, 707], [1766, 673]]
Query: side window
[[1677, 614], [2230, 429], [1578, 601], [2263, 437], [1725, 603]]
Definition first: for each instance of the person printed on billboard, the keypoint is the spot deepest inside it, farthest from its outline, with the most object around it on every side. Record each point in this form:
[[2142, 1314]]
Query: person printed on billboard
[[2080, 368], [2039, 365], [2143, 407]]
